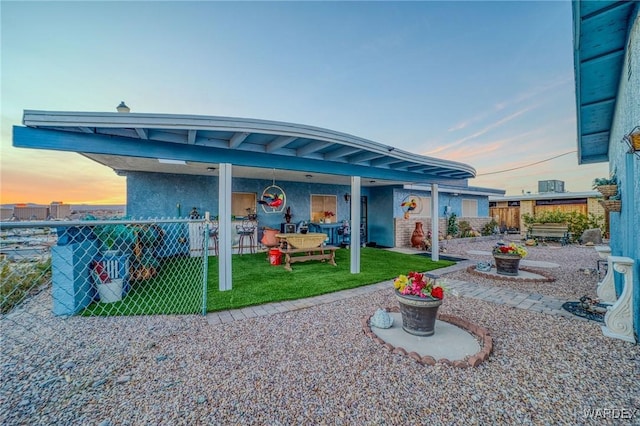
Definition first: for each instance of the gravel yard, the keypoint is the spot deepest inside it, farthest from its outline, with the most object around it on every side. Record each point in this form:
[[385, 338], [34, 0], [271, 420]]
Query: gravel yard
[[315, 365]]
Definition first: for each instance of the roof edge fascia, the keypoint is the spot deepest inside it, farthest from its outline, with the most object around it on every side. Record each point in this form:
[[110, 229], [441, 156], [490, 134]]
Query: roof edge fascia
[[36, 118], [581, 194], [454, 190]]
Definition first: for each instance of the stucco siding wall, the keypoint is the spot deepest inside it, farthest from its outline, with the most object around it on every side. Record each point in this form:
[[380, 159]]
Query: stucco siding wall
[[159, 195], [625, 238], [381, 229]]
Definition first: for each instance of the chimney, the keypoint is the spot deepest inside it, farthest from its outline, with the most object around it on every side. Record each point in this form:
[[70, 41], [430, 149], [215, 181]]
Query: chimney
[[123, 107]]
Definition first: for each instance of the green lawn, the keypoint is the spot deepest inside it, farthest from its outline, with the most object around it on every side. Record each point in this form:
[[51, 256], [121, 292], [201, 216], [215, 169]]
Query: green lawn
[[255, 281], [177, 289]]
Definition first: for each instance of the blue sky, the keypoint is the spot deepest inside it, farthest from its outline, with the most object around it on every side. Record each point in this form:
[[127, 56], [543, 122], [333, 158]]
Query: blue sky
[[485, 83]]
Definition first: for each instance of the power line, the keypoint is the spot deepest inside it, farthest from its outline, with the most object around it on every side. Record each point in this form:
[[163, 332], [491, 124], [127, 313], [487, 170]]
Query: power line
[[528, 165]]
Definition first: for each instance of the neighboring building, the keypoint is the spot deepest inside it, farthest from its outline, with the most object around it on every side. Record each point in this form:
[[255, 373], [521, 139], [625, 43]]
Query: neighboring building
[[6, 213], [27, 212], [508, 211], [58, 210], [607, 71]]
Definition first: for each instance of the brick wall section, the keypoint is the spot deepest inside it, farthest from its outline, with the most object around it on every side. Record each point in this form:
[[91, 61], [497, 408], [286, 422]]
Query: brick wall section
[[404, 227]]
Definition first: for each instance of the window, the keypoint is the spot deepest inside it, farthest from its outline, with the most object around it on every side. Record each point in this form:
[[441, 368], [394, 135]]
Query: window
[[241, 201], [426, 206], [470, 208], [321, 204]]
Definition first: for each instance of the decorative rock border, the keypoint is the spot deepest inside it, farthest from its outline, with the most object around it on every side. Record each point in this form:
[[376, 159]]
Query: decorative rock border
[[546, 278], [471, 361]]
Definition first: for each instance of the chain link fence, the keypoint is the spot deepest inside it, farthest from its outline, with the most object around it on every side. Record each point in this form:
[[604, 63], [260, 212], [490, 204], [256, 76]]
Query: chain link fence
[[104, 268], [54, 275]]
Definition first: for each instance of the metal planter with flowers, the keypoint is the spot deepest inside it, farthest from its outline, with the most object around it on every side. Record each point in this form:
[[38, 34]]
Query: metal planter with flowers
[[419, 297], [507, 258]]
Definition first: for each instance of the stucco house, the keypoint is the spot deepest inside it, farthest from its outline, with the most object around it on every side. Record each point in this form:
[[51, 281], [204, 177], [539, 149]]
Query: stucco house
[[607, 74], [226, 166]]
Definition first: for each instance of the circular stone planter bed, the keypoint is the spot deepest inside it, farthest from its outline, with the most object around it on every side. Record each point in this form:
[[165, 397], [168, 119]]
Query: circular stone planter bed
[[543, 276], [480, 333]]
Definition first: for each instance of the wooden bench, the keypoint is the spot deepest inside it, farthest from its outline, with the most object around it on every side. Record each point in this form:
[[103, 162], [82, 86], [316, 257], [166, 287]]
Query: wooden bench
[[559, 231], [316, 253]]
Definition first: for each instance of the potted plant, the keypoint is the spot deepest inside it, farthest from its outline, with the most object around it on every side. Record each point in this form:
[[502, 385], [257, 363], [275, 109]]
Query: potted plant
[[507, 258], [419, 297], [606, 186], [288, 215], [612, 203], [327, 216]]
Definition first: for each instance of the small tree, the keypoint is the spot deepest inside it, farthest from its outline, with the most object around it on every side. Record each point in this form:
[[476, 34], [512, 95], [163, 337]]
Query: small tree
[[452, 225]]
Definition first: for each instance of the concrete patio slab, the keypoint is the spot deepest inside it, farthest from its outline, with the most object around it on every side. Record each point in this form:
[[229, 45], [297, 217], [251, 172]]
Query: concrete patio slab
[[449, 341]]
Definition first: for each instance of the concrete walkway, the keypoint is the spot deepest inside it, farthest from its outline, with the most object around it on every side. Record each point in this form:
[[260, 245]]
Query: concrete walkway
[[501, 296]]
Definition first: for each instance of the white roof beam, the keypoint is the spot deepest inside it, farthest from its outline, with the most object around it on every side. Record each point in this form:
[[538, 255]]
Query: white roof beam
[[280, 142], [312, 147], [237, 139], [341, 152], [142, 133], [385, 160], [365, 156], [86, 129], [191, 137]]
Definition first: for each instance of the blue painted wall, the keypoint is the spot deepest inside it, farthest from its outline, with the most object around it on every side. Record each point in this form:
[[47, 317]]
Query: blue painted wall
[[156, 195], [159, 195], [445, 199], [624, 241]]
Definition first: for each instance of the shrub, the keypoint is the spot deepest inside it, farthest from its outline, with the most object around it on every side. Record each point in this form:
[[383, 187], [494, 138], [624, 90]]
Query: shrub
[[452, 225], [465, 229], [489, 227], [577, 222], [19, 280]]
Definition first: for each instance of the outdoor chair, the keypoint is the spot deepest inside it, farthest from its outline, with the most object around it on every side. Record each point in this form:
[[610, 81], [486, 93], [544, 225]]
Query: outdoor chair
[[246, 231]]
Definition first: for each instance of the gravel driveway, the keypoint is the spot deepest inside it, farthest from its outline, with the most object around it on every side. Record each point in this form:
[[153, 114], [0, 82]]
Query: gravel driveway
[[315, 365]]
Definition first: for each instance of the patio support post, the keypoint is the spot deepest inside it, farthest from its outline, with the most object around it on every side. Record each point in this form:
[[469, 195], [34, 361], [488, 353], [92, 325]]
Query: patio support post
[[435, 242], [224, 227], [355, 224]]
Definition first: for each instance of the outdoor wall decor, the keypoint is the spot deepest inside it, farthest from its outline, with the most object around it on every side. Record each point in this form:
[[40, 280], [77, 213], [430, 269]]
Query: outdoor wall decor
[[273, 199], [411, 204]]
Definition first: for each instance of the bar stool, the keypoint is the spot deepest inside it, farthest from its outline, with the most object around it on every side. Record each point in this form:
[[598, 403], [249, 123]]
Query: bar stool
[[213, 236], [247, 229]]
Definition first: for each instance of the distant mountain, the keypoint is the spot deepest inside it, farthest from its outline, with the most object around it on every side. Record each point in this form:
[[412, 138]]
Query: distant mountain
[[75, 207], [92, 207]]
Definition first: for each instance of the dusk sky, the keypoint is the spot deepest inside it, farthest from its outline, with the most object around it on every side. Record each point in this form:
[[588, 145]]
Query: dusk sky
[[488, 84]]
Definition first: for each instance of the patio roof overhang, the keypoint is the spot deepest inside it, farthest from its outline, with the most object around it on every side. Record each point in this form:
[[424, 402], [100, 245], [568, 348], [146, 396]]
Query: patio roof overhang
[[195, 144], [600, 34]]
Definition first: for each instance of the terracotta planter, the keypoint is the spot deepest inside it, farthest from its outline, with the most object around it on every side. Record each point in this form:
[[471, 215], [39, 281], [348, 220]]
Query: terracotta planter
[[507, 264], [418, 314], [418, 236], [269, 237]]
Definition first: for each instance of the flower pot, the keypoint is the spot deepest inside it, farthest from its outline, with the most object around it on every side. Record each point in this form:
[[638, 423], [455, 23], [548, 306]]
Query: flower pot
[[607, 190], [418, 236], [269, 237], [110, 292], [418, 314], [611, 205], [507, 264]]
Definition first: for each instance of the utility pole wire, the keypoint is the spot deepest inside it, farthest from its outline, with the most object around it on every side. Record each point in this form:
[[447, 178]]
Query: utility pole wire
[[528, 165]]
